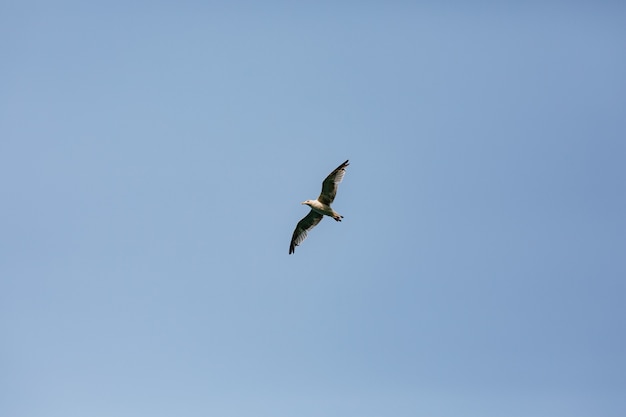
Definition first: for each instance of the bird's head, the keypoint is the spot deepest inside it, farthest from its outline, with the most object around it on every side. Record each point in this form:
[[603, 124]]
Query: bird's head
[[307, 203]]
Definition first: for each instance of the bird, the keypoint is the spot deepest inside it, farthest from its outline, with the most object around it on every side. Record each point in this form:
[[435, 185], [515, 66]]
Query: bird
[[320, 207]]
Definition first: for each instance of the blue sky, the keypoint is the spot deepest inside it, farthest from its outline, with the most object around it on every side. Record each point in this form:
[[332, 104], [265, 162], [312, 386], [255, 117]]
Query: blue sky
[[153, 157]]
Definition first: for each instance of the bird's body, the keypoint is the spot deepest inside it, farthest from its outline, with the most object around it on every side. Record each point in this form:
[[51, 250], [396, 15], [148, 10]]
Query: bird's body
[[323, 209], [320, 207]]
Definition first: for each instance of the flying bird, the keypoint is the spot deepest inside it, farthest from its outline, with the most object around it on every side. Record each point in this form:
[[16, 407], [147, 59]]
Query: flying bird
[[320, 207]]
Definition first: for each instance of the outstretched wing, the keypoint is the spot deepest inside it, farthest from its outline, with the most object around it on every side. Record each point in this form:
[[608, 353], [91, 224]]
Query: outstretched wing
[[329, 186], [307, 223]]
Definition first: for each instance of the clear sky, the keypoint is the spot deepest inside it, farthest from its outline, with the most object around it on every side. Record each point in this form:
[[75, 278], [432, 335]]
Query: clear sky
[[153, 157]]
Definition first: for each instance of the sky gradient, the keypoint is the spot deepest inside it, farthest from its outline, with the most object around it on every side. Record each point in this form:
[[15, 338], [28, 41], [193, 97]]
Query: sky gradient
[[153, 157]]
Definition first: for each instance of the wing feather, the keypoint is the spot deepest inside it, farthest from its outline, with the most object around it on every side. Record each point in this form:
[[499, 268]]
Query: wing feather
[[307, 223], [330, 184]]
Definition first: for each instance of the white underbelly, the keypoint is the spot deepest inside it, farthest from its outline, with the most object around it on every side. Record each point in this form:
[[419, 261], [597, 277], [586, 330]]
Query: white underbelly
[[322, 209]]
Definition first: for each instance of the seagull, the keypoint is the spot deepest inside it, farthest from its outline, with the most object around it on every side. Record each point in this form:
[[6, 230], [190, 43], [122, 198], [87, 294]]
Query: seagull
[[320, 207]]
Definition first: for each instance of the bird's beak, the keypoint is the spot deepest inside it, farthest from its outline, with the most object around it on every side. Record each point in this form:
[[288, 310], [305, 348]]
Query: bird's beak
[[304, 202]]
